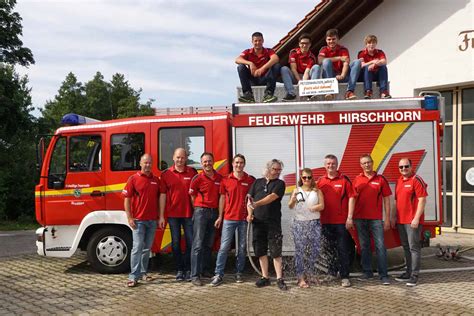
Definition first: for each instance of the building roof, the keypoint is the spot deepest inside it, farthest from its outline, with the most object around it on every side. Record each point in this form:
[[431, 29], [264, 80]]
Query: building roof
[[340, 14]]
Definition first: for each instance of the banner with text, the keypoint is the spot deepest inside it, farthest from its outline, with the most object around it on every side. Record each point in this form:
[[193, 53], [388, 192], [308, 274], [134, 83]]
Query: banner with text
[[318, 87]]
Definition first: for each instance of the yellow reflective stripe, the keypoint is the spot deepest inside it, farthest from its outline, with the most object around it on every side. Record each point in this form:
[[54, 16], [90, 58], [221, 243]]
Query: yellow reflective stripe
[[387, 139], [105, 189]]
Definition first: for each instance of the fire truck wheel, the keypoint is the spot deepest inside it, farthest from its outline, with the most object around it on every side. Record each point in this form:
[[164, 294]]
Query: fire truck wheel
[[109, 250]]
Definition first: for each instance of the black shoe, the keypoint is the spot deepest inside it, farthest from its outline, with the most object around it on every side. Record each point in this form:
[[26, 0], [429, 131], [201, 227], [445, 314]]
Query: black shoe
[[187, 276], [262, 282], [404, 277], [196, 282], [289, 97], [269, 97], [180, 276], [413, 280], [216, 281], [238, 278], [247, 98], [281, 285]]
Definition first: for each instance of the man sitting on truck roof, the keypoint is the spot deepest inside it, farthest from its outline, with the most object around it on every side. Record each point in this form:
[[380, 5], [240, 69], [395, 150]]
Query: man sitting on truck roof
[[374, 67], [176, 181], [334, 60], [303, 66], [258, 66]]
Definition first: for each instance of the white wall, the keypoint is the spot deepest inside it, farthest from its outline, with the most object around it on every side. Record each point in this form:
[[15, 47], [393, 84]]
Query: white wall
[[420, 39]]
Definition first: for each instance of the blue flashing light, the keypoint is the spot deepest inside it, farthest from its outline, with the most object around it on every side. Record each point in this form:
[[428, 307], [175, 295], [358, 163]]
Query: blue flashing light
[[76, 119], [430, 102]]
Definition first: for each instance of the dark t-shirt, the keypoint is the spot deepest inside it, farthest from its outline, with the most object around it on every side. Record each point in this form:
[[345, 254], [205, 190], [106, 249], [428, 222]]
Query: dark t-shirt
[[259, 190]]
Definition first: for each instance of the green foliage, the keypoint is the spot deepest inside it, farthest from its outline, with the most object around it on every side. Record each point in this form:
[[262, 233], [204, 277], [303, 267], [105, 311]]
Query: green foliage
[[11, 47], [17, 150], [96, 99]]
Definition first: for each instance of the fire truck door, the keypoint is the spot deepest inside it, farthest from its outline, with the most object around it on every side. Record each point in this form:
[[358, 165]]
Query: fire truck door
[[76, 181]]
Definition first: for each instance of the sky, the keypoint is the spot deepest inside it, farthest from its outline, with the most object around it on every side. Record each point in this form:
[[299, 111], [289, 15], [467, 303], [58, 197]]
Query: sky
[[180, 53]]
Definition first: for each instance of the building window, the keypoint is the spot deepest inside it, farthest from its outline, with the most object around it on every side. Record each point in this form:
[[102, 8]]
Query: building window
[[468, 104], [126, 151], [467, 211]]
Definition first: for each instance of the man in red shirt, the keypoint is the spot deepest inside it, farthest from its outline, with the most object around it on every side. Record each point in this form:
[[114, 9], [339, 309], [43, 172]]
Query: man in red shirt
[[303, 66], [141, 194], [373, 195], [334, 60], [176, 204], [233, 210], [374, 67], [337, 218], [204, 193], [410, 196], [258, 66]]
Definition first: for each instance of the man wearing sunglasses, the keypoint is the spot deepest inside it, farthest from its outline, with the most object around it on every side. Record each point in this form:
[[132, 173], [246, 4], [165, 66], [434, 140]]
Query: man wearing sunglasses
[[301, 62], [373, 196], [410, 196]]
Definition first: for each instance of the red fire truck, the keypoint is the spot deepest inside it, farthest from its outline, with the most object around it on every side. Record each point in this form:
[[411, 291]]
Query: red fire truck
[[86, 165]]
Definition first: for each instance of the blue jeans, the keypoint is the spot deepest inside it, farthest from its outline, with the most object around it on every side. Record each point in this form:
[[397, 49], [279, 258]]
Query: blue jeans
[[143, 236], [269, 79], [365, 227], [411, 242], [183, 263], [306, 235], [380, 75], [228, 232], [203, 238], [337, 248], [351, 78], [289, 79]]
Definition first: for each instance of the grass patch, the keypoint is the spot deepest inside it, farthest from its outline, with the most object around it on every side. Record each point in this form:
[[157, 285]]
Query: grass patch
[[19, 225]]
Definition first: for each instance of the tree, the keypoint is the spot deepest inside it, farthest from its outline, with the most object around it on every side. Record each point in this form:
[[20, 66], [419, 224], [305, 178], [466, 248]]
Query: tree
[[96, 99], [11, 47], [17, 150]]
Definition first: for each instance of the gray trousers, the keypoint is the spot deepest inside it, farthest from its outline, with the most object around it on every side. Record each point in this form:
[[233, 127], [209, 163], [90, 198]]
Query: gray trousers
[[411, 243]]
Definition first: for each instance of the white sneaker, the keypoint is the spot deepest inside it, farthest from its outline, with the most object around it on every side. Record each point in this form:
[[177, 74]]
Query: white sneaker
[[345, 283]]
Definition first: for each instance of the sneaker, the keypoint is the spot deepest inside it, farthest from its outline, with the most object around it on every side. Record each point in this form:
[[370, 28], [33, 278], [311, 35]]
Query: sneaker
[[404, 277], [196, 282], [350, 95], [269, 98], [281, 285], [238, 278], [365, 277], [368, 94], [262, 282], [413, 280], [289, 97], [216, 281], [329, 97], [385, 281], [187, 276], [180, 276], [247, 98], [385, 95], [345, 283]]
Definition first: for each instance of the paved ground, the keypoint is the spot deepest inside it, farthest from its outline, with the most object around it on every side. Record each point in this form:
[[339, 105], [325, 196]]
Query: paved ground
[[17, 243], [38, 285]]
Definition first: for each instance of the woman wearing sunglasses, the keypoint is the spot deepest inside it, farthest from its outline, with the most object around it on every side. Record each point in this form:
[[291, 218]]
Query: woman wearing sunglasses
[[307, 201]]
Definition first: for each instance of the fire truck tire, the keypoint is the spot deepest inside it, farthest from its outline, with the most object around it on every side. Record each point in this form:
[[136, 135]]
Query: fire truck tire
[[108, 250]]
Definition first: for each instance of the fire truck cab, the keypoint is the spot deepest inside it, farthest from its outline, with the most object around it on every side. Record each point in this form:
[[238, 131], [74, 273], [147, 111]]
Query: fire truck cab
[[86, 165]]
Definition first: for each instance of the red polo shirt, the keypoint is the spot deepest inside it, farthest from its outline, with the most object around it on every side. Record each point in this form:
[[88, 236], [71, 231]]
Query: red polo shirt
[[370, 193], [206, 190], [407, 192], [258, 60], [303, 61], [144, 192], [336, 193], [235, 191], [338, 51], [364, 54], [176, 186]]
